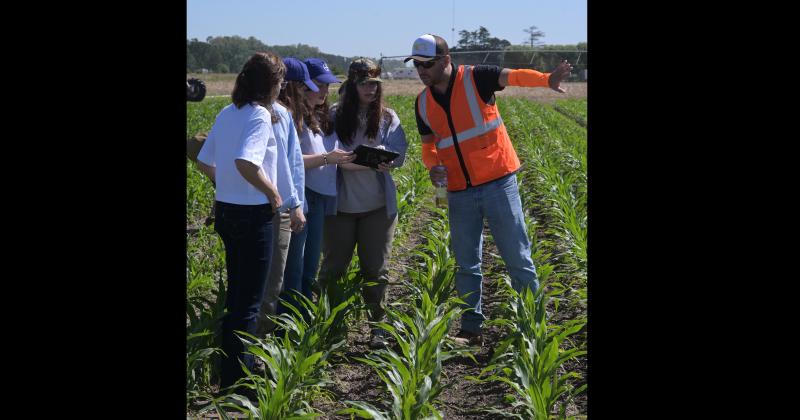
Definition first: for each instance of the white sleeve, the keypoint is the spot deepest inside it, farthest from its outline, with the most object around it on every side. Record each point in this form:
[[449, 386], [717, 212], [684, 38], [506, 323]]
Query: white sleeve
[[255, 137], [206, 154]]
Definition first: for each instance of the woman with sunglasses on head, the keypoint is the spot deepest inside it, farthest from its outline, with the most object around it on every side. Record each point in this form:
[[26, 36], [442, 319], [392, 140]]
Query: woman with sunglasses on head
[[366, 199], [321, 157], [240, 156]]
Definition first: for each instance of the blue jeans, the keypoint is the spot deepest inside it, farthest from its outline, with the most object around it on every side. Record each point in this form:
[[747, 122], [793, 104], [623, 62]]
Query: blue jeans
[[499, 202], [246, 232], [304, 252]]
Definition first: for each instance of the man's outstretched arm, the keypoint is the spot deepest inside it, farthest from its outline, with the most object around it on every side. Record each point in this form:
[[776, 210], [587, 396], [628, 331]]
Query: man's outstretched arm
[[533, 78]]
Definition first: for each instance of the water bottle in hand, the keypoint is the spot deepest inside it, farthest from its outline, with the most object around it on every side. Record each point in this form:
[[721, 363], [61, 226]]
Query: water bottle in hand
[[440, 193]]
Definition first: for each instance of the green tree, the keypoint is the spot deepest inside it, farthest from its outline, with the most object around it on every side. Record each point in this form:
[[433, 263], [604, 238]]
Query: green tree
[[206, 55], [191, 61], [533, 35], [233, 52], [478, 40]]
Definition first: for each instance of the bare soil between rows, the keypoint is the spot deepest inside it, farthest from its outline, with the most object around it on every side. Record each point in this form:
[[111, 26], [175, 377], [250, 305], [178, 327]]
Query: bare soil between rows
[[461, 399]]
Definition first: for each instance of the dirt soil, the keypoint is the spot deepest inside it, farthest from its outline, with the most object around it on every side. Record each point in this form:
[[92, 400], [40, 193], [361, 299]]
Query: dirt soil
[[461, 398]]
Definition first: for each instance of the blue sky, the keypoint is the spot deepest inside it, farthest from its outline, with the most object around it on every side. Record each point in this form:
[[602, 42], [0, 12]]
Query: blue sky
[[388, 27]]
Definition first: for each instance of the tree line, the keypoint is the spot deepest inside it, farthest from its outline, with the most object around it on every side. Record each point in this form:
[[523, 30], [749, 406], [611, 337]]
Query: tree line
[[530, 54], [227, 54]]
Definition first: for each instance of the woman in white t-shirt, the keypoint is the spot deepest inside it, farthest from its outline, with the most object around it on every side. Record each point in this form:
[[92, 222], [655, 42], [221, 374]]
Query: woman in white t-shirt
[[366, 198], [240, 156]]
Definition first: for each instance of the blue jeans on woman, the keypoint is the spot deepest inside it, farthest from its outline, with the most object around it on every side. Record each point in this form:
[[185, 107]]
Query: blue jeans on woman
[[498, 201], [304, 252], [246, 232]]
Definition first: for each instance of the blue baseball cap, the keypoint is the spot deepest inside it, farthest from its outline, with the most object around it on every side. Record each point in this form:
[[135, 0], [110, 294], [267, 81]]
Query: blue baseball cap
[[318, 69], [297, 71]]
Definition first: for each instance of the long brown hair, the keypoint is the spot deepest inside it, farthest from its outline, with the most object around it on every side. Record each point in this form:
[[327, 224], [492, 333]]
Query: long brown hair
[[346, 120], [319, 119], [259, 81], [294, 99]]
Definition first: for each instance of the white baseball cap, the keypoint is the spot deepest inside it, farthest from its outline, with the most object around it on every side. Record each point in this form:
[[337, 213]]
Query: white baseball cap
[[427, 47]]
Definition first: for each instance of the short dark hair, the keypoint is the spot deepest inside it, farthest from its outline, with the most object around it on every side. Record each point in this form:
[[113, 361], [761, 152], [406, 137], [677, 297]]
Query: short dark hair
[[441, 46]]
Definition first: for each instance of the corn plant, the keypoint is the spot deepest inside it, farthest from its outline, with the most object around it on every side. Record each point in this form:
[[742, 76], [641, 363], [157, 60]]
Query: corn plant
[[574, 109], [199, 191], [322, 327], [437, 278], [411, 179], [203, 332], [406, 195], [553, 186], [205, 259], [296, 361], [291, 371], [344, 289], [529, 359], [412, 375]]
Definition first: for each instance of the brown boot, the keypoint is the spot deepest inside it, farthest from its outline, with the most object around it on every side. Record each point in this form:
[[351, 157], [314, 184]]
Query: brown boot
[[467, 338], [377, 340]]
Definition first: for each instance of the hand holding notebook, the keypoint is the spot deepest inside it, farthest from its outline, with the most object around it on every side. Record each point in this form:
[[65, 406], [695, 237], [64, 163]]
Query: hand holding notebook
[[372, 156]]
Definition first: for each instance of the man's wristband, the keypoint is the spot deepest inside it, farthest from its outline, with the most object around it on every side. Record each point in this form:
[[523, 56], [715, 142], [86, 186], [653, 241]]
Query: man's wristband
[[325, 158]]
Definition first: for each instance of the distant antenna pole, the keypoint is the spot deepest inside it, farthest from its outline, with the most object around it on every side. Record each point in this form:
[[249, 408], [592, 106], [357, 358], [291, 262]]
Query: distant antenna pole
[[453, 28]]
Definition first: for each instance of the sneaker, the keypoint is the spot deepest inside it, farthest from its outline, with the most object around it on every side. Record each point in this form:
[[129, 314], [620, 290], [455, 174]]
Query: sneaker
[[377, 341], [467, 338]]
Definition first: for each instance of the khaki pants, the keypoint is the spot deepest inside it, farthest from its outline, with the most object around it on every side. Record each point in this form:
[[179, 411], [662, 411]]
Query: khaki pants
[[281, 234], [372, 232]]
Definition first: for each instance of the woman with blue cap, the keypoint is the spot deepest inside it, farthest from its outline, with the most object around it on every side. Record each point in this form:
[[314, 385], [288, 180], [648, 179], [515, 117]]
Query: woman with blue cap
[[321, 156], [290, 219]]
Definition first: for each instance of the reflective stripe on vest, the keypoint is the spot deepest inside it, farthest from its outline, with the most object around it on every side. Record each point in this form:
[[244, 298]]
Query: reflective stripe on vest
[[477, 118], [423, 107]]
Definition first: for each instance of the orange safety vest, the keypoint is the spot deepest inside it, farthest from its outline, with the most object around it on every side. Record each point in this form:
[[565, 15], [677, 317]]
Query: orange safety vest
[[480, 150]]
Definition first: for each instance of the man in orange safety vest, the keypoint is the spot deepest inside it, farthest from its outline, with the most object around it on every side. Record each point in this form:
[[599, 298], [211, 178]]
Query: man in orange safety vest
[[466, 146]]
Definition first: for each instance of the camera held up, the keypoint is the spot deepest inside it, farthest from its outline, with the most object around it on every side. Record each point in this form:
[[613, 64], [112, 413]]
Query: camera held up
[[195, 90]]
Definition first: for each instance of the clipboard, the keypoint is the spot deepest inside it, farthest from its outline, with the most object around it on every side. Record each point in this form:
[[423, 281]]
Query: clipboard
[[371, 156]]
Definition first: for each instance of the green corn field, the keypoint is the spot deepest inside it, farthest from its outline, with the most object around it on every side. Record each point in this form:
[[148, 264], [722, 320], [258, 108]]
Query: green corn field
[[533, 364]]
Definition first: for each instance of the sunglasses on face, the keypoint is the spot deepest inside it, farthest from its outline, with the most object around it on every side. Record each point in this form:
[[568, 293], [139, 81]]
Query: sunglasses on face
[[425, 64]]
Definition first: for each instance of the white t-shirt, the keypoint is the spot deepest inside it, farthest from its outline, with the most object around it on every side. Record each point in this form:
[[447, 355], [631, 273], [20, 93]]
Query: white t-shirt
[[240, 133], [321, 179]]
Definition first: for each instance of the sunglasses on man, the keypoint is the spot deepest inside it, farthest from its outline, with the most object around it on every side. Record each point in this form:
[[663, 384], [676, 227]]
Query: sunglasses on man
[[426, 64]]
